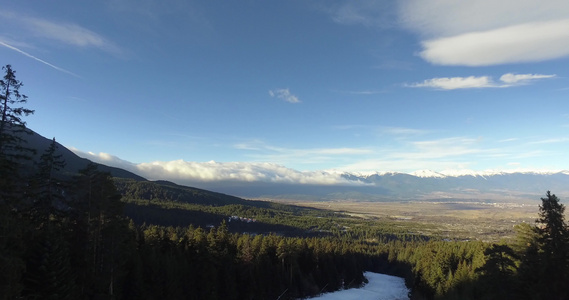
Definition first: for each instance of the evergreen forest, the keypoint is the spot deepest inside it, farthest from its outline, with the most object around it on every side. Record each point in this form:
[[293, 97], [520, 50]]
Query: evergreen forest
[[89, 235]]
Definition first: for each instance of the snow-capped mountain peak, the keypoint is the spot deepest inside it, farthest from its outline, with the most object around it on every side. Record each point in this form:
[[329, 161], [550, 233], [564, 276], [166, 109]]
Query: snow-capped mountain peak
[[427, 174]]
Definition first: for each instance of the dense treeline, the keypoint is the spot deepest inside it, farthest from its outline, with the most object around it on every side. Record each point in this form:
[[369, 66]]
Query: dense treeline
[[192, 263], [95, 237]]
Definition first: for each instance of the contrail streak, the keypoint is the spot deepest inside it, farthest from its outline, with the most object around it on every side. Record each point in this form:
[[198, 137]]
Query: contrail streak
[[40, 60]]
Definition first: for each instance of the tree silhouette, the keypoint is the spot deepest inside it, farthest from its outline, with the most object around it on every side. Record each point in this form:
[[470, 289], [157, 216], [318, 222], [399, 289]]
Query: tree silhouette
[[49, 196], [497, 274], [12, 127], [12, 152], [553, 236], [544, 268]]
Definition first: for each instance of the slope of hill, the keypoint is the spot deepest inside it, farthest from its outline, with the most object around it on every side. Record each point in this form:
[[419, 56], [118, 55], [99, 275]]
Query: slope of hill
[[73, 162]]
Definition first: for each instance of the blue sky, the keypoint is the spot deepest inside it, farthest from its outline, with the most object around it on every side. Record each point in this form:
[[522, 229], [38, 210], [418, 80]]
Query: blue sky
[[292, 90]]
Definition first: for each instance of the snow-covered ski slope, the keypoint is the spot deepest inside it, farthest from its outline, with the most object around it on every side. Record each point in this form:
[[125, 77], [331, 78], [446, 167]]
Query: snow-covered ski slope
[[380, 287]]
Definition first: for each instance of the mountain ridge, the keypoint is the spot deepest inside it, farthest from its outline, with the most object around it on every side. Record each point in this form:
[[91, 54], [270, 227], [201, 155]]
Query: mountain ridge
[[427, 173]]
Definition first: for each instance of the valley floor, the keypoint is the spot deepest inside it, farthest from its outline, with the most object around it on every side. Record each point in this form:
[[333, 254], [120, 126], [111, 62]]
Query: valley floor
[[458, 220]]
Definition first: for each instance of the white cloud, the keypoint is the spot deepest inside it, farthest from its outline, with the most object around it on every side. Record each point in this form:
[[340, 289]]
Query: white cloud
[[453, 83], [529, 42], [485, 32], [433, 18], [284, 94], [105, 159], [181, 171]]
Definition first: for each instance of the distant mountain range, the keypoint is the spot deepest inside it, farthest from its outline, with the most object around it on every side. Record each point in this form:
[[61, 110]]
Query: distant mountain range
[[501, 186], [423, 185]]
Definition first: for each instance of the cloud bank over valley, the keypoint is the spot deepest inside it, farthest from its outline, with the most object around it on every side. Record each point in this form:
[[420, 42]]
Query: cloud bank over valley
[[184, 172]]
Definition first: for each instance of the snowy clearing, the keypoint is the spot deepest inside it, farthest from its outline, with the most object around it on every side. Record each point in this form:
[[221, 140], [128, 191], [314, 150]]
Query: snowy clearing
[[380, 287]]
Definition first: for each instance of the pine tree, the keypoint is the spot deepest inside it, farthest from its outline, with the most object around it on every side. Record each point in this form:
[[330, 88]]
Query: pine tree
[[12, 149]]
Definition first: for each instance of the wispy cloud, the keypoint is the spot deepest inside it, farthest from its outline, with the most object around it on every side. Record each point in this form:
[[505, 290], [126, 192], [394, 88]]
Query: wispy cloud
[[517, 79], [365, 92], [403, 131], [454, 153], [284, 94], [551, 141], [366, 12], [66, 33], [485, 32], [455, 146], [374, 165], [288, 155], [38, 59], [508, 140], [395, 65], [453, 83]]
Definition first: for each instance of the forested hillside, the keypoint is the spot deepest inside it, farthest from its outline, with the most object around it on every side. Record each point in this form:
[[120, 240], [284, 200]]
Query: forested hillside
[[92, 236]]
